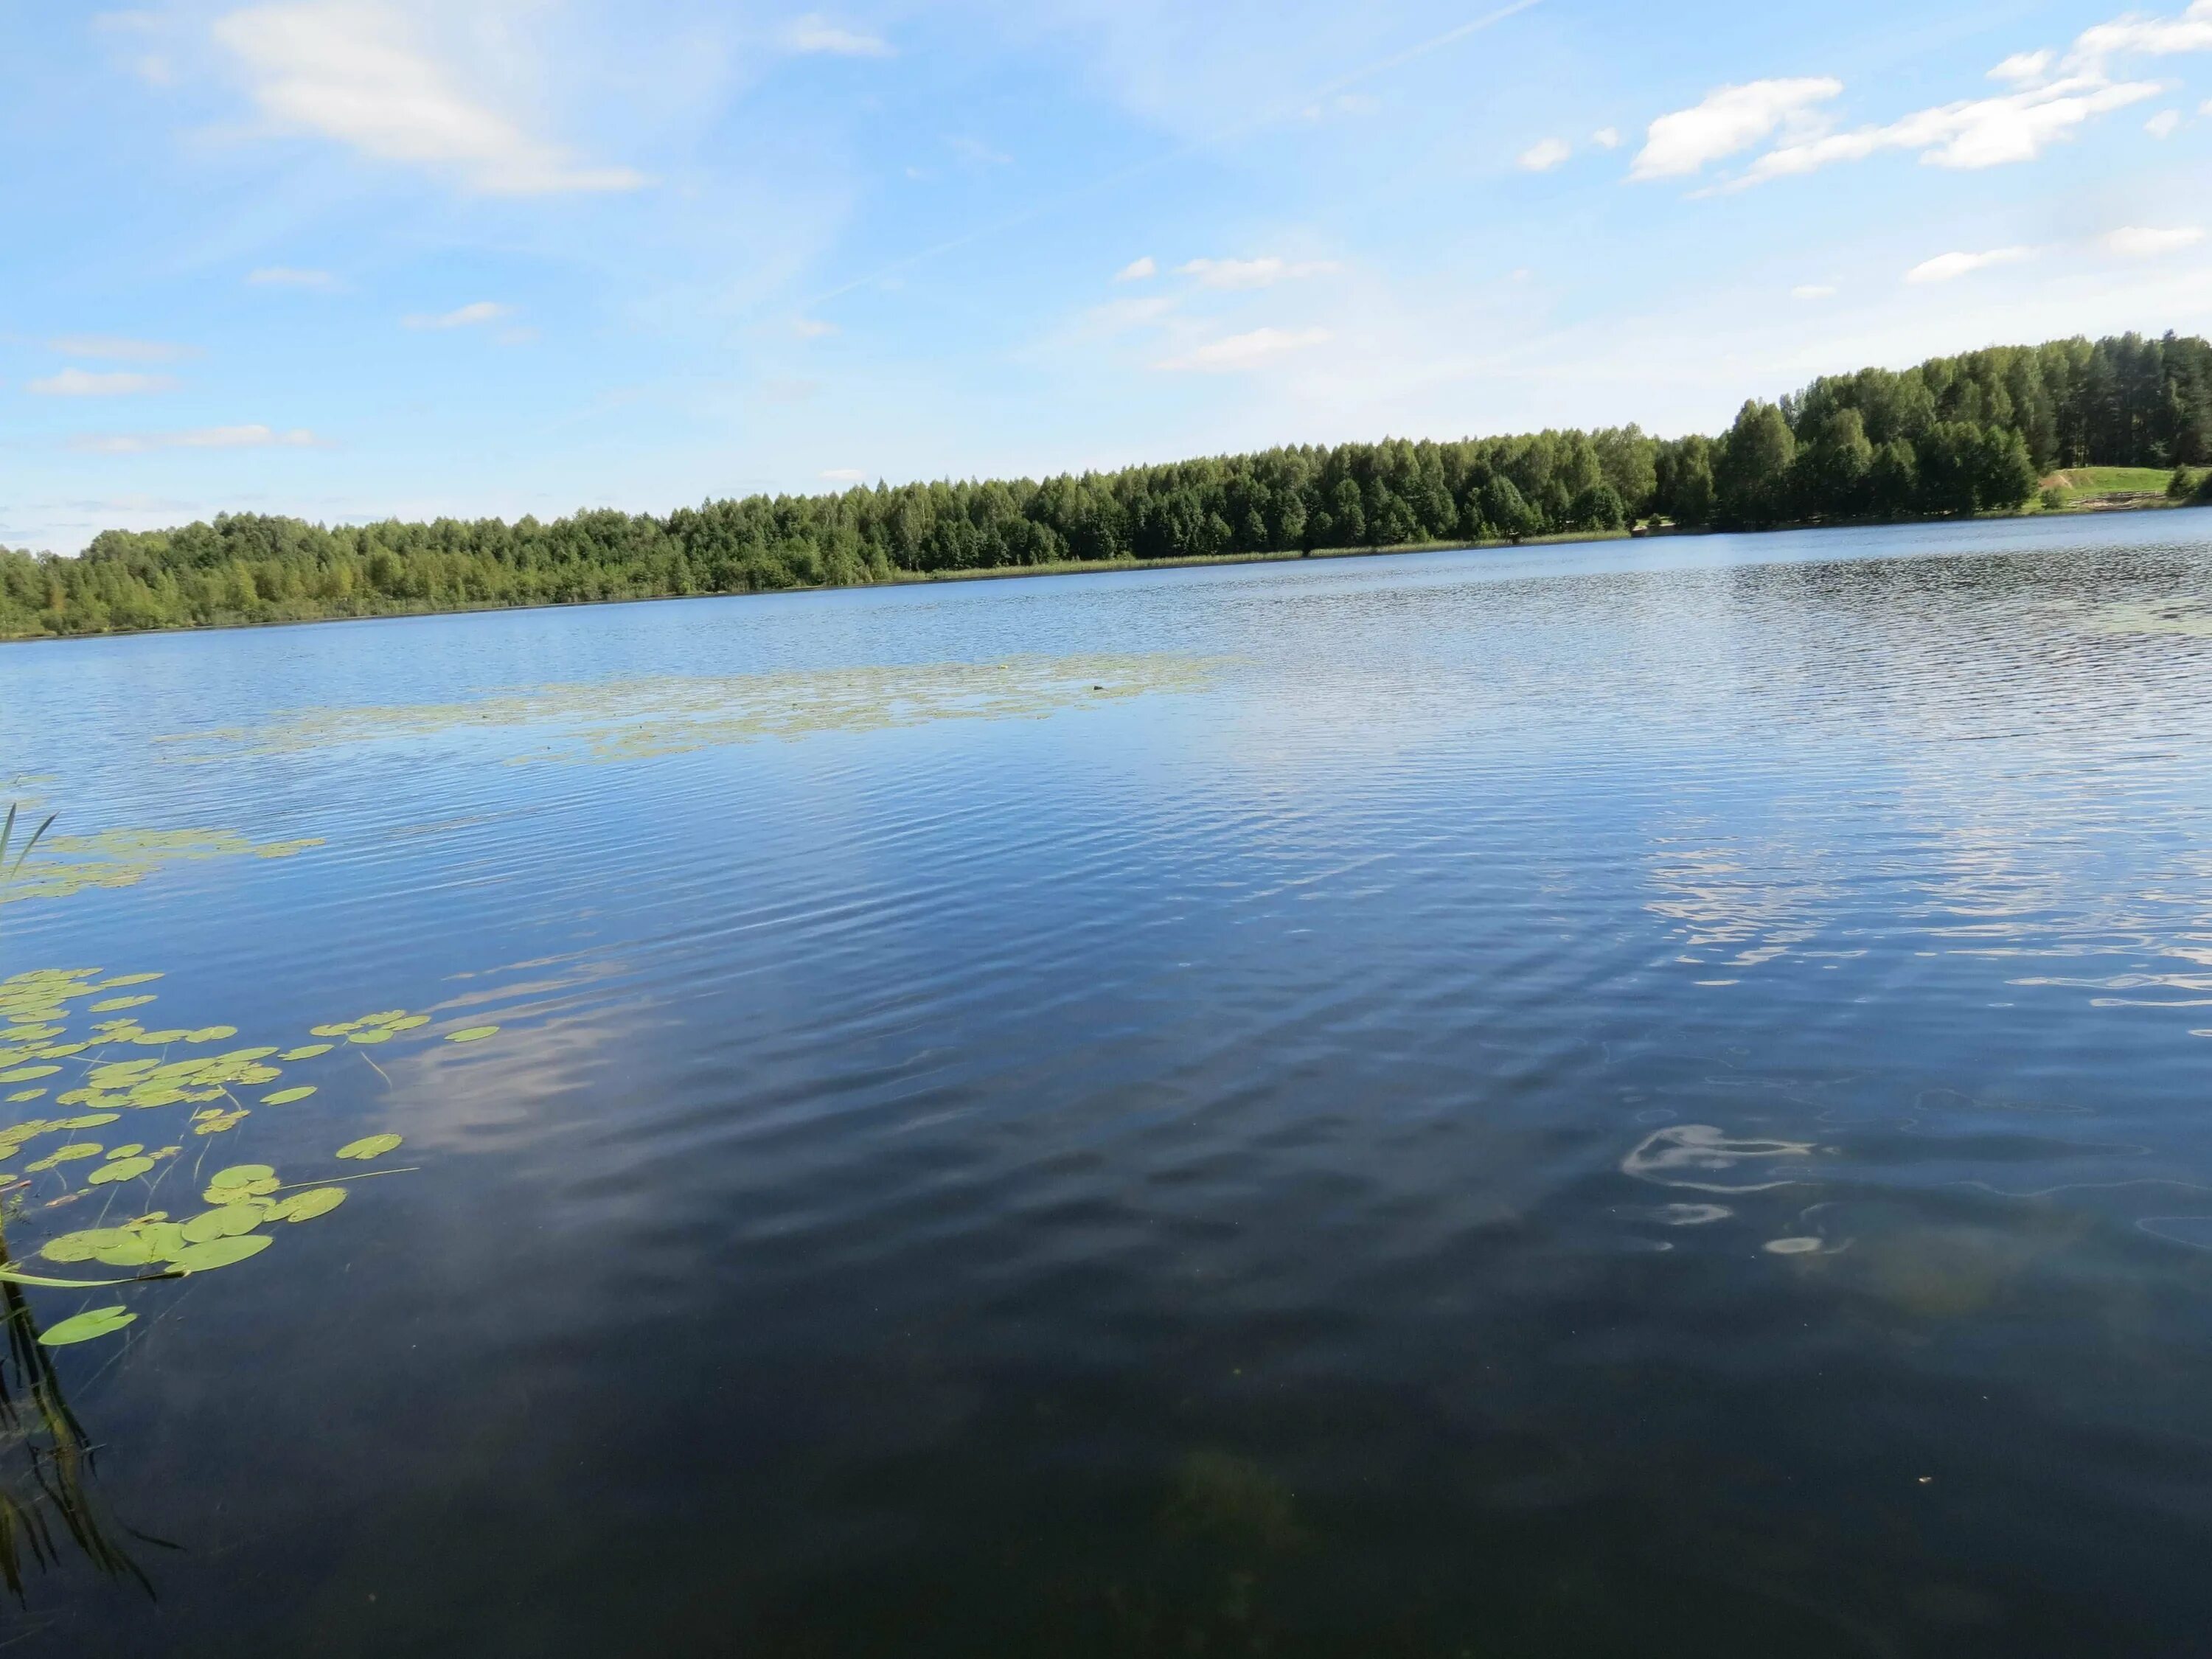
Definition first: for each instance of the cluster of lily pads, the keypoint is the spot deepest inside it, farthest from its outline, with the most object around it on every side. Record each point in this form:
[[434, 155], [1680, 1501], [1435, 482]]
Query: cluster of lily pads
[[243, 1200], [69, 865]]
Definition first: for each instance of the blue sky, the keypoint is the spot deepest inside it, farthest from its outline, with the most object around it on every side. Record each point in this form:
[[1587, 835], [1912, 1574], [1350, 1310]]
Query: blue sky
[[393, 257]]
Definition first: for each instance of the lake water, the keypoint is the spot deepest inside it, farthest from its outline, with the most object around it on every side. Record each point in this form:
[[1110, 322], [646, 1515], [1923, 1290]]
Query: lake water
[[1652, 1097]]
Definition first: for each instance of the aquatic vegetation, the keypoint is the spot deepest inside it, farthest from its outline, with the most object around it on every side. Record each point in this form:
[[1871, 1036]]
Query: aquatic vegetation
[[1233, 1501], [473, 1034], [2189, 617], [122, 857], [674, 715], [83, 1328], [106, 1079]]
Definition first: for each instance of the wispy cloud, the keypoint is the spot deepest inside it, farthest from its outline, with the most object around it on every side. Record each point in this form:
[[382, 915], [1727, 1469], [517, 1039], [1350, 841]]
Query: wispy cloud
[[1245, 351], [2146, 37], [1727, 123], [976, 150], [206, 437], [812, 328], [815, 33], [1813, 291], [1137, 270], [1981, 132], [1264, 272], [349, 71], [468, 316], [2148, 242], [1607, 137], [1949, 267], [291, 277], [115, 349], [2164, 124], [1545, 154], [84, 383], [2052, 99], [845, 475], [2023, 67]]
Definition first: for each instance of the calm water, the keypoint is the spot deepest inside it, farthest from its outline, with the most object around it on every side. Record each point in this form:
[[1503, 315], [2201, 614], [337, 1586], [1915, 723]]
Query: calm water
[[1648, 1098]]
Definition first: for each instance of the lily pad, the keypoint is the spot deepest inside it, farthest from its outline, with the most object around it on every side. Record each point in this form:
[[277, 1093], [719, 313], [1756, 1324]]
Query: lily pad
[[28, 1074], [368, 1146], [25, 1094], [473, 1034], [83, 1328], [345, 1029], [225, 1192], [132, 1250], [306, 1206], [131, 1150], [116, 1004], [306, 1051], [80, 1246], [124, 1169], [407, 1022], [374, 1034], [286, 1097], [218, 1253], [231, 1221], [239, 1173], [163, 1239], [211, 1034]]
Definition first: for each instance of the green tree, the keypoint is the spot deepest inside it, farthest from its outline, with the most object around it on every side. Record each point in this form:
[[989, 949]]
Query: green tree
[[1752, 472]]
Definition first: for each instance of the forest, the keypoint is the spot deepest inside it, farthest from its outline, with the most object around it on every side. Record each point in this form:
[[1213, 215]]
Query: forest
[[1954, 436]]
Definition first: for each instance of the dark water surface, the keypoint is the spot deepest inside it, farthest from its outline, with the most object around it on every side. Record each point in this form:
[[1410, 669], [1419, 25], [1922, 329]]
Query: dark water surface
[[1652, 1098]]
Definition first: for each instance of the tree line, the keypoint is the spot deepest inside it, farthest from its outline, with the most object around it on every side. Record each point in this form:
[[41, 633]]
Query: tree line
[[1954, 435]]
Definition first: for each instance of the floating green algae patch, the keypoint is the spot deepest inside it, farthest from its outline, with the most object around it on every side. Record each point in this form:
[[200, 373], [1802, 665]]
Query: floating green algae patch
[[2184, 617], [68, 864], [673, 714], [90, 1180]]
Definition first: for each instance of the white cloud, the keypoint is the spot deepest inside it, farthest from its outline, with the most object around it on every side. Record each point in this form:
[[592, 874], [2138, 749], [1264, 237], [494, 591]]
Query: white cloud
[[1949, 267], [469, 316], [1245, 351], [2149, 37], [119, 350], [206, 437], [812, 328], [2146, 242], [2164, 124], [1983, 132], [1137, 270], [1544, 155], [816, 33], [347, 70], [1607, 137], [2023, 67], [849, 474], [291, 277], [1251, 273], [82, 383], [1729, 120], [1813, 291]]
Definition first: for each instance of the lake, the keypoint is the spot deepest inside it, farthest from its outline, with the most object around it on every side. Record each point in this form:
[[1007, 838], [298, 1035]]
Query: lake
[[1644, 1097]]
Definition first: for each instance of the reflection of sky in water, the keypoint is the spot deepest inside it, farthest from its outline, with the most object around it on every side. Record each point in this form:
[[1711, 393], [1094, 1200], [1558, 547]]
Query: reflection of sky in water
[[991, 1079]]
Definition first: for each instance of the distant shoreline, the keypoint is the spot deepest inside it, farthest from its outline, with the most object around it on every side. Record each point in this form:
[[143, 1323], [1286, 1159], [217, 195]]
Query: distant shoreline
[[1100, 567]]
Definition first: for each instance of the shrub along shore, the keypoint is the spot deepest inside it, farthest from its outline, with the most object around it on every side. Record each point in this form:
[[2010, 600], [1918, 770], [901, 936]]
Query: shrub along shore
[[1954, 436]]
